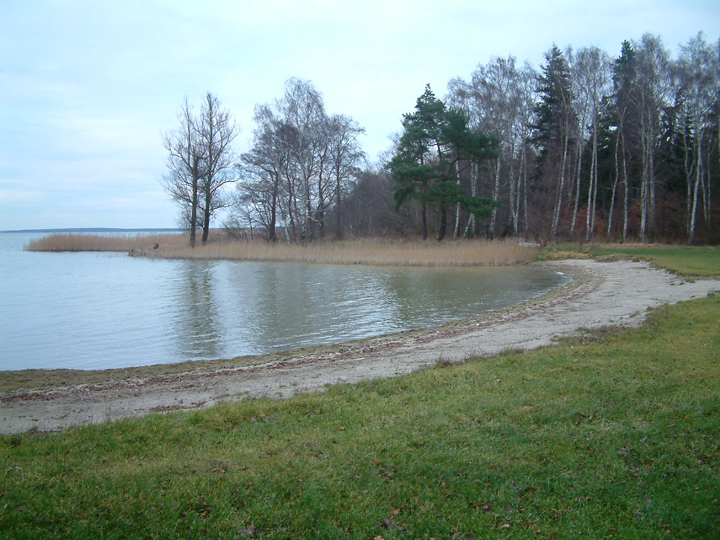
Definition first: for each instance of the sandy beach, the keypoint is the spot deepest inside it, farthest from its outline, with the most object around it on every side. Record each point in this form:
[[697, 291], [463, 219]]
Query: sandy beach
[[601, 294]]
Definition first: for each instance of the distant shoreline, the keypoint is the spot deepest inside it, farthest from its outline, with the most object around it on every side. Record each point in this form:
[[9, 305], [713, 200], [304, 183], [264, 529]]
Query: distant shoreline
[[94, 230]]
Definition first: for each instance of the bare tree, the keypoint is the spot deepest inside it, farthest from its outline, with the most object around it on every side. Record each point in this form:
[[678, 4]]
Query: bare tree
[[590, 69], [186, 161], [345, 157], [263, 170], [499, 100], [303, 113], [300, 163], [217, 133], [200, 163], [652, 64], [698, 72]]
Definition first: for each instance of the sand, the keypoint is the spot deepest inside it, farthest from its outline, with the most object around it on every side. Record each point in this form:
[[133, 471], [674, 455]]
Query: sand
[[602, 294]]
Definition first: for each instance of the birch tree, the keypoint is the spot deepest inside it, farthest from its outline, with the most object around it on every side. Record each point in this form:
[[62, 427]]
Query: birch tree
[[699, 94], [591, 85], [652, 83]]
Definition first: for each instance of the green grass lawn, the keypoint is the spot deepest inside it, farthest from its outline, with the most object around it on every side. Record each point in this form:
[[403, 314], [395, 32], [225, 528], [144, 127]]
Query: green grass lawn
[[697, 261], [613, 435]]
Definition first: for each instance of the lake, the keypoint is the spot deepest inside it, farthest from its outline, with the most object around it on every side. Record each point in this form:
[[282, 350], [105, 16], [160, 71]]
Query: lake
[[108, 310]]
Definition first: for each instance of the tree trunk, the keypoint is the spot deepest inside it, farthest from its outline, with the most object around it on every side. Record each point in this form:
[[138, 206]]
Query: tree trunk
[[442, 227], [561, 186], [514, 193], [578, 182], [470, 227], [696, 189], [626, 194], [338, 212], [614, 188], [592, 191], [273, 210], [424, 221], [523, 163], [206, 219], [492, 232], [456, 228], [194, 203]]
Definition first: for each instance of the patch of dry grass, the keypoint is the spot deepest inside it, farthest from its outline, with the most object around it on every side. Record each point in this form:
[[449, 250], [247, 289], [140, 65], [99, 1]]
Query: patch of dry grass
[[98, 242], [373, 252], [366, 251]]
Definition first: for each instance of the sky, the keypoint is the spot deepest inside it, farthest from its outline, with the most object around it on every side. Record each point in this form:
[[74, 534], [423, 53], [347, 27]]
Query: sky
[[87, 87]]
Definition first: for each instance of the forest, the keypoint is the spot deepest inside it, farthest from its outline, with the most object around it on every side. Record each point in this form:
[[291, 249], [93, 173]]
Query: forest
[[586, 148]]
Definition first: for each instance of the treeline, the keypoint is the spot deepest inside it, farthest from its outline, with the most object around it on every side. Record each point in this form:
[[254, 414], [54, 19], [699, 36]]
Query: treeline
[[587, 147]]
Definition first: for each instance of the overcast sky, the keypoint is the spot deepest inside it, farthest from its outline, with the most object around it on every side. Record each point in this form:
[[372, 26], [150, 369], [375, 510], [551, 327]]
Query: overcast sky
[[88, 86]]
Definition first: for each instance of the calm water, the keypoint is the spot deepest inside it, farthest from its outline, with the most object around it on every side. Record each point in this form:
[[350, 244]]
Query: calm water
[[102, 310]]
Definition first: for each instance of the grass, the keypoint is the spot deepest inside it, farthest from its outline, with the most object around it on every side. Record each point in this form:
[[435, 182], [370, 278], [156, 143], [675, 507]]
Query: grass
[[60, 242], [374, 251], [611, 435], [689, 261]]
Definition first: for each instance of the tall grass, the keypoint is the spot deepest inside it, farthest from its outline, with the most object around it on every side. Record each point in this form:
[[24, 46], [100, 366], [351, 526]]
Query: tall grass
[[373, 251], [97, 242]]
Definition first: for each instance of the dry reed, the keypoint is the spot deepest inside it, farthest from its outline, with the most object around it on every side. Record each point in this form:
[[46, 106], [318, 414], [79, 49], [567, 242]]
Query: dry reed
[[97, 242], [371, 252], [366, 251]]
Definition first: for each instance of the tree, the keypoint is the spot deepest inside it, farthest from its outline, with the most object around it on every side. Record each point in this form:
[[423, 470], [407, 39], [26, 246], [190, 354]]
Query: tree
[[345, 156], [590, 72], [436, 146], [499, 100], [263, 169], [553, 128], [698, 71], [200, 162], [652, 84], [300, 164], [217, 133], [185, 164], [625, 116]]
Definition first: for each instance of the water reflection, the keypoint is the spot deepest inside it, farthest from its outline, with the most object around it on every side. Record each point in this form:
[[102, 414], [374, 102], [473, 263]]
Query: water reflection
[[198, 326]]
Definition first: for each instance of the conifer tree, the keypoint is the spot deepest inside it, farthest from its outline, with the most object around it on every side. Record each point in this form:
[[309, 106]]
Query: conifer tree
[[437, 145], [553, 127]]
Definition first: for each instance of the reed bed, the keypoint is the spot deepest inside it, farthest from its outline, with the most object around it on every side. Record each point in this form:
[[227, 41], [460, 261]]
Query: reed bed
[[97, 242], [386, 252], [367, 251]]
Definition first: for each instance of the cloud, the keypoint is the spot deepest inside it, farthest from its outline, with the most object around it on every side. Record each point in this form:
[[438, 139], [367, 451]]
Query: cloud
[[87, 87]]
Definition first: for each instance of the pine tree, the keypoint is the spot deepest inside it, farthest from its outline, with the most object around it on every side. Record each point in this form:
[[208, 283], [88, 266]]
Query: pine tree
[[437, 145]]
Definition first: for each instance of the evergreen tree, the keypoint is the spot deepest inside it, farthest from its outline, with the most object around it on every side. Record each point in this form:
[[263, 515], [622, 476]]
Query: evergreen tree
[[437, 145], [553, 126]]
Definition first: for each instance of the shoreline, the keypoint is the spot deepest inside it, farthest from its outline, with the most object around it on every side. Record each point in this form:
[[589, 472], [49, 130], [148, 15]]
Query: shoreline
[[600, 294]]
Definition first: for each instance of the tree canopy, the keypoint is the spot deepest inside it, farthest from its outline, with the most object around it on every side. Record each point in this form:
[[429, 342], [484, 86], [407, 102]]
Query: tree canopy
[[437, 145]]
